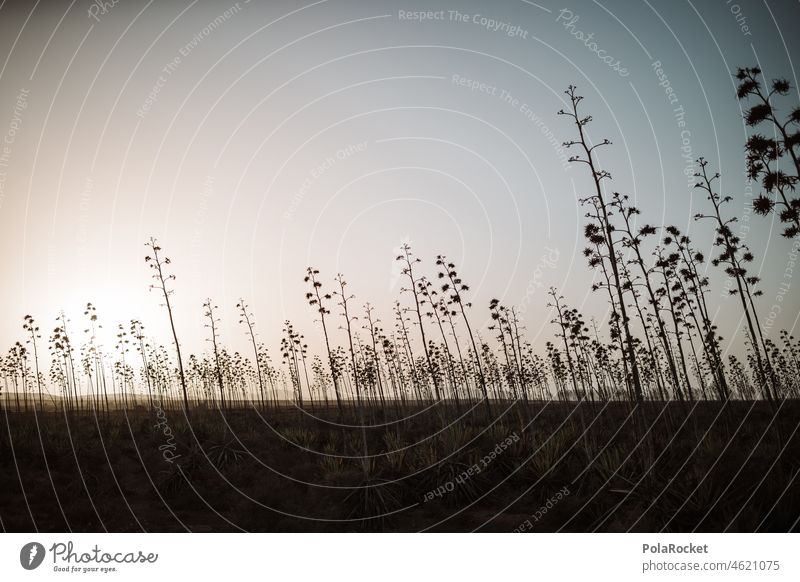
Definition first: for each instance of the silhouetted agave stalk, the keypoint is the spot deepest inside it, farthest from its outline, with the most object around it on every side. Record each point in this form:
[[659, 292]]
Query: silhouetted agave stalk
[[436, 367], [302, 350], [364, 369], [24, 371], [213, 322], [578, 342], [695, 288], [739, 382], [577, 338], [633, 239], [159, 264], [686, 308], [348, 320], [454, 286], [665, 266], [787, 363], [540, 370], [314, 299], [95, 357], [86, 364], [58, 380], [598, 201], [598, 259], [61, 334], [683, 307], [734, 255], [373, 334], [248, 320], [563, 326], [409, 260], [265, 365], [137, 332], [196, 377], [405, 377], [648, 353], [321, 379], [394, 366], [402, 330], [515, 340], [444, 307], [291, 352], [343, 373], [9, 371], [61, 376], [604, 365], [238, 373], [161, 372], [427, 296], [17, 367], [558, 370], [33, 332], [491, 370], [500, 325], [766, 155], [122, 348], [5, 392]]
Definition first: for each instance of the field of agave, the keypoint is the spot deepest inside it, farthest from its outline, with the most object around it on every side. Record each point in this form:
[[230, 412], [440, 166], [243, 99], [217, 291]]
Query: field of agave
[[433, 423]]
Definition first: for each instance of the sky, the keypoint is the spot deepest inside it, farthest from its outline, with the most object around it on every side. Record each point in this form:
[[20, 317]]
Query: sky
[[256, 139]]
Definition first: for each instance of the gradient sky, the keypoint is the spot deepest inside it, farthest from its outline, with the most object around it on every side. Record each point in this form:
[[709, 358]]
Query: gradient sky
[[257, 141]]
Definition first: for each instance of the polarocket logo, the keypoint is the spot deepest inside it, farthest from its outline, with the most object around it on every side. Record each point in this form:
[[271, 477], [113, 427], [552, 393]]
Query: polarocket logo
[[31, 555]]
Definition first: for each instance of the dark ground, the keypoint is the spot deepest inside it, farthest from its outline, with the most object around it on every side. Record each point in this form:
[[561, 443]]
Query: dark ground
[[663, 467]]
